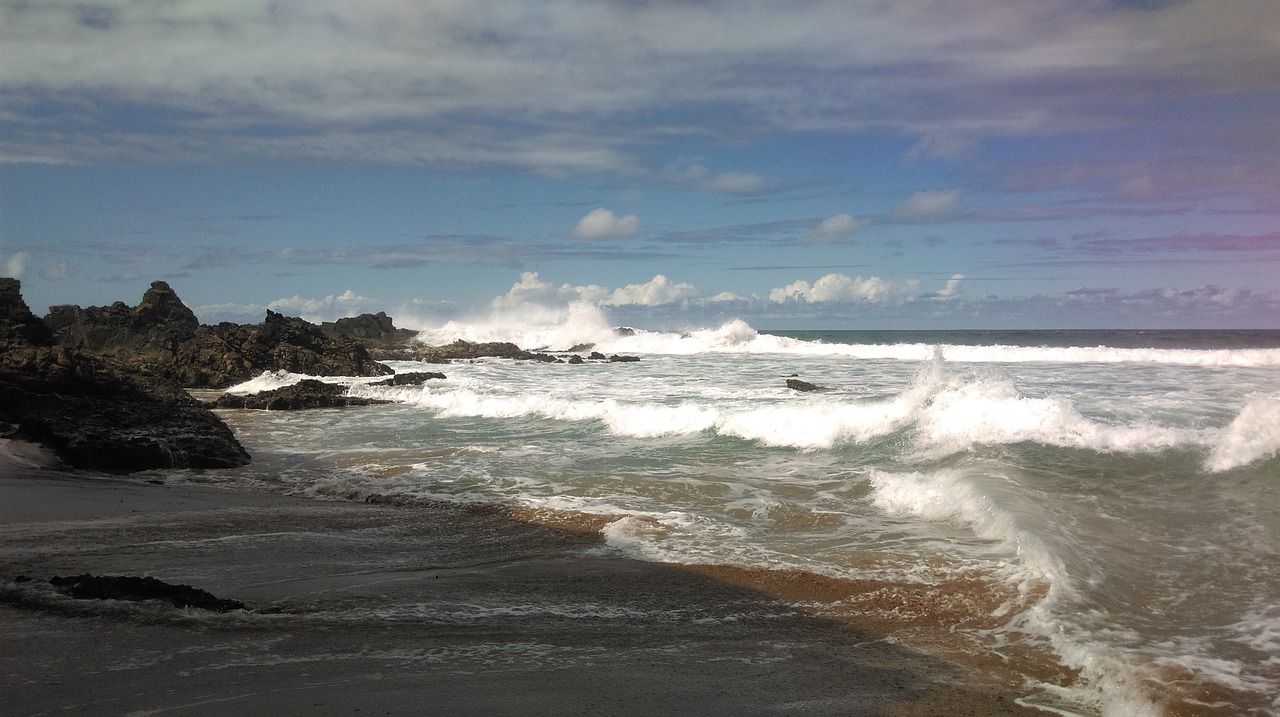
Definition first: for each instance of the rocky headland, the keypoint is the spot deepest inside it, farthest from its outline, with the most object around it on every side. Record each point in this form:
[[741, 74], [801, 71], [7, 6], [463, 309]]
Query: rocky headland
[[94, 413], [105, 387]]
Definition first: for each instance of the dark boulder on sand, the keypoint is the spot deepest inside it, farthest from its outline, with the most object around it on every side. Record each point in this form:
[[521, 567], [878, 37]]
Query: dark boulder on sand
[[92, 413], [135, 589]]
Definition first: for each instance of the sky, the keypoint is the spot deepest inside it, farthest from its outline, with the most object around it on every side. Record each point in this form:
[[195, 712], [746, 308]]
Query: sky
[[843, 164]]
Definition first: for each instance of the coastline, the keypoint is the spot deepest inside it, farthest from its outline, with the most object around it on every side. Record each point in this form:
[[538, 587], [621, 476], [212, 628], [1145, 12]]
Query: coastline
[[425, 609]]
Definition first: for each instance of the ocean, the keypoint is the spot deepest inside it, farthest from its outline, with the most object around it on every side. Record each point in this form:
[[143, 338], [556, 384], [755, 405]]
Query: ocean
[[1093, 513]]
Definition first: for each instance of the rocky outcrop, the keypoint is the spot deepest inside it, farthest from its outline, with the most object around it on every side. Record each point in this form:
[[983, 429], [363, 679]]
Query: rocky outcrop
[[135, 589], [162, 337], [94, 415], [307, 393], [467, 350], [17, 324], [376, 331]]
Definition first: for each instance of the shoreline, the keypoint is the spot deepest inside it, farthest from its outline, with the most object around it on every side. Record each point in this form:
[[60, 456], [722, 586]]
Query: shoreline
[[414, 610]]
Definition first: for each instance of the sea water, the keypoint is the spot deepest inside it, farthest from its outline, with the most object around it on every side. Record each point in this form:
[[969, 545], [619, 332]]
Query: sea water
[[1097, 513]]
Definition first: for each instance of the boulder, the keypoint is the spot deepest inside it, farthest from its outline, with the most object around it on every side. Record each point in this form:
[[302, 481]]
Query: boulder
[[307, 393], [413, 378]]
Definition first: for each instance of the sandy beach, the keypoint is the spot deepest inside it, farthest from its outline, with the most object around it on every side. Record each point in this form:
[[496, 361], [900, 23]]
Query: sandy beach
[[377, 609]]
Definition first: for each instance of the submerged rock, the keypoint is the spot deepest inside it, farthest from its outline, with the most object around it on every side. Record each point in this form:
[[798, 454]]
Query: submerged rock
[[796, 384], [123, 587]]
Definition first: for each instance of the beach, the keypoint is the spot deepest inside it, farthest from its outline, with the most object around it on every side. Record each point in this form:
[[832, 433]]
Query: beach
[[412, 609]]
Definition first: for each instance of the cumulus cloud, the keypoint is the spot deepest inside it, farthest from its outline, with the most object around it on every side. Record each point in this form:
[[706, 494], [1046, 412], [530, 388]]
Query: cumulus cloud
[[929, 205], [532, 290], [328, 308], [604, 224], [16, 265], [836, 229], [842, 288], [658, 291], [953, 286]]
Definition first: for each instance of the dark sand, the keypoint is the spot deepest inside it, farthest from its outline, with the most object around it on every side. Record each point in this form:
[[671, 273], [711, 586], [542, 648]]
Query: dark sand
[[412, 610]]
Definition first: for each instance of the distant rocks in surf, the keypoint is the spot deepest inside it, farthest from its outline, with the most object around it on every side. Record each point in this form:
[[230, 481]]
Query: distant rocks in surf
[[412, 378], [462, 350], [307, 393]]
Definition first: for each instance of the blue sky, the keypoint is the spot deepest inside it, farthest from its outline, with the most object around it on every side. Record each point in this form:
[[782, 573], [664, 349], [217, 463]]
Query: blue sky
[[794, 163]]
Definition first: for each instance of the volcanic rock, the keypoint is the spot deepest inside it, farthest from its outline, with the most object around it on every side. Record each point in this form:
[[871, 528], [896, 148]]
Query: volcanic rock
[[162, 337], [94, 415], [307, 393], [413, 378]]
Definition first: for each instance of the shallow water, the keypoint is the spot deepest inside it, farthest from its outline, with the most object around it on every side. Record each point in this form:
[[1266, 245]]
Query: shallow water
[[1098, 512]]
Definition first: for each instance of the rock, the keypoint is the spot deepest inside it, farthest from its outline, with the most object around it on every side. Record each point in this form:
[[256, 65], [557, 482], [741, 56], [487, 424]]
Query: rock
[[375, 331], [467, 350], [94, 415], [17, 323], [597, 356], [162, 337], [576, 359], [796, 384], [623, 359], [114, 587], [410, 379], [307, 393]]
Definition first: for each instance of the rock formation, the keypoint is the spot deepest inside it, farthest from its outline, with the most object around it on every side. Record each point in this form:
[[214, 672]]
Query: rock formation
[[95, 415], [162, 337]]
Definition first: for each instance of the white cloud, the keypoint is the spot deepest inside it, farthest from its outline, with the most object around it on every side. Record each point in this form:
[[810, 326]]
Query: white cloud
[[658, 291], [16, 265], [929, 205], [604, 224], [836, 229], [953, 286], [331, 307], [532, 290], [841, 288]]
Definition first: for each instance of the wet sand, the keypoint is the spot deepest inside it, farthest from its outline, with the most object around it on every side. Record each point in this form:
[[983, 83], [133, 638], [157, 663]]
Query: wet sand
[[423, 610]]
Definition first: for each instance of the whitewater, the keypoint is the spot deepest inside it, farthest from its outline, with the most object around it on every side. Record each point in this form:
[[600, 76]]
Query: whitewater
[[1097, 513]]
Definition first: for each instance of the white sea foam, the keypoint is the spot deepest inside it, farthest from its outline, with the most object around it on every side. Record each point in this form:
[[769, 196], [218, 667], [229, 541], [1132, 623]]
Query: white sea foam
[[1253, 435]]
